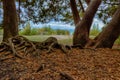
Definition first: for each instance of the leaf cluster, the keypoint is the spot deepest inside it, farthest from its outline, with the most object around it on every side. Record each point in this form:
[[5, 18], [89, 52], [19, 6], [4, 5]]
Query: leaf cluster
[[44, 10], [107, 9]]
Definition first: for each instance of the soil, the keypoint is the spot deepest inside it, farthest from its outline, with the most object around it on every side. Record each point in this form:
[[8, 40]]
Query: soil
[[78, 64]]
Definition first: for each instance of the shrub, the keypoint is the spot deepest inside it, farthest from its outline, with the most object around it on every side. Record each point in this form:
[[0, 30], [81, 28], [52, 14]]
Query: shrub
[[47, 30], [26, 30], [118, 41], [62, 32], [34, 31], [1, 31], [95, 30]]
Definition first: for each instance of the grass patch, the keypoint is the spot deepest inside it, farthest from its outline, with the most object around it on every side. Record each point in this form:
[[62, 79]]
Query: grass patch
[[45, 30], [117, 41], [37, 38], [66, 41], [95, 30]]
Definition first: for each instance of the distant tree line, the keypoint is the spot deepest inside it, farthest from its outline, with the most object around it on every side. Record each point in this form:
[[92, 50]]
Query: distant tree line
[[45, 30]]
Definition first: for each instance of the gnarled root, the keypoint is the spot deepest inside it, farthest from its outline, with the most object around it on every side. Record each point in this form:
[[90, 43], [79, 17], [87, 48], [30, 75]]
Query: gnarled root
[[12, 46], [20, 43]]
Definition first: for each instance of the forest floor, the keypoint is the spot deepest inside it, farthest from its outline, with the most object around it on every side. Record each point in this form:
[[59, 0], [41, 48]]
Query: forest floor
[[78, 64]]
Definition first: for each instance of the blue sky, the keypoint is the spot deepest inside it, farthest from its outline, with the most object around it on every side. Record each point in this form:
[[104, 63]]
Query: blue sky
[[64, 26]]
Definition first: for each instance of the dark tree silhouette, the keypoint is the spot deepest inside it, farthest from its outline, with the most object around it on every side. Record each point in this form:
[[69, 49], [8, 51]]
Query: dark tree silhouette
[[111, 32], [10, 21], [81, 34], [75, 12], [106, 38]]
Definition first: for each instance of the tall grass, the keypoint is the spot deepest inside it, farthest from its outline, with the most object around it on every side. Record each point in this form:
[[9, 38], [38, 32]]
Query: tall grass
[[95, 30], [46, 30], [64, 39], [118, 40], [26, 30], [1, 31]]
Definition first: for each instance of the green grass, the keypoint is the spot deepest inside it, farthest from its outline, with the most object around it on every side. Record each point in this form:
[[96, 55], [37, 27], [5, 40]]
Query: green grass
[[64, 40], [67, 40], [95, 30], [37, 38], [117, 41], [1, 31]]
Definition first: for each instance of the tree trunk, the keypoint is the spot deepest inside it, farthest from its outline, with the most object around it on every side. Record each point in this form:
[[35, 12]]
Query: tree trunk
[[81, 5], [75, 12], [87, 1], [111, 32], [10, 22], [81, 34]]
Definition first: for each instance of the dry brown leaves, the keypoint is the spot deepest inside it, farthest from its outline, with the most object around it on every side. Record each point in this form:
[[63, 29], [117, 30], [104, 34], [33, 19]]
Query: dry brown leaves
[[79, 64]]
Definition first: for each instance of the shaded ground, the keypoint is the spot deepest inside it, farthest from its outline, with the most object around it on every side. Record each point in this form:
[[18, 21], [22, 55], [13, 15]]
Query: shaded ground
[[79, 64]]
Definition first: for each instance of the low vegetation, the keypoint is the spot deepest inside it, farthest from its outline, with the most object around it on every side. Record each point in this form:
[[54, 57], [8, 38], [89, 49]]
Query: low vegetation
[[45, 30], [95, 30], [40, 34]]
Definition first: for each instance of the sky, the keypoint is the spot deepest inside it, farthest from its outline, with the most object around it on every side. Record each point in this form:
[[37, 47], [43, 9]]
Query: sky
[[64, 26]]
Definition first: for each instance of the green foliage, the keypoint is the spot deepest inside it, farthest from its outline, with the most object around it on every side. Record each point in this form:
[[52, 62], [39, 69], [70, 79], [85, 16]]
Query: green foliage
[[49, 31], [67, 41], [1, 31], [59, 10], [95, 30], [46, 30], [44, 10], [47, 10], [26, 30], [118, 41], [1, 24], [81, 14], [110, 6], [62, 32], [34, 31]]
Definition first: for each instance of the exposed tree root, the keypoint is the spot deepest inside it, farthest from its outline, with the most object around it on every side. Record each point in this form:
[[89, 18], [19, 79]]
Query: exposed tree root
[[12, 46], [20, 43], [78, 46], [6, 58], [49, 44]]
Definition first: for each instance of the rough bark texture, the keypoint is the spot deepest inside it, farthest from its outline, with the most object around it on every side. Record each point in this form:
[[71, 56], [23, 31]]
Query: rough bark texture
[[108, 36], [81, 5], [87, 1], [10, 20], [81, 34], [74, 11]]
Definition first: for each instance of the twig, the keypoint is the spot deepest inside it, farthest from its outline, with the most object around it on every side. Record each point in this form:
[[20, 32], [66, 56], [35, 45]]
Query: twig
[[65, 76]]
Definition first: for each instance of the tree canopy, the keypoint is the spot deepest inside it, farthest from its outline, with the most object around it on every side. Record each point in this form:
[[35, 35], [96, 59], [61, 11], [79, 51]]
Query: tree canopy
[[54, 10]]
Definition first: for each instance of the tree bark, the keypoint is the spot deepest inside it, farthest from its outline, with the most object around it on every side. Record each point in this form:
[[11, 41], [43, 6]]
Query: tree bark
[[81, 6], [81, 34], [75, 12], [10, 22], [111, 32], [87, 1]]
